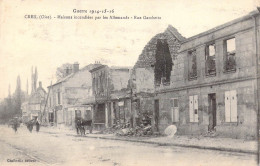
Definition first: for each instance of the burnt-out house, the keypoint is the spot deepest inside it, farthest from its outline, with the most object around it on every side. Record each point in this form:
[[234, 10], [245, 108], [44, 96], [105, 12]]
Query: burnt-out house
[[120, 96], [153, 69], [112, 100], [213, 82]]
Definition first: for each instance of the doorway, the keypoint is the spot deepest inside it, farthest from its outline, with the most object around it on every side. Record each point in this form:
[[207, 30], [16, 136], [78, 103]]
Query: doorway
[[156, 114], [51, 117], [212, 111], [109, 123]]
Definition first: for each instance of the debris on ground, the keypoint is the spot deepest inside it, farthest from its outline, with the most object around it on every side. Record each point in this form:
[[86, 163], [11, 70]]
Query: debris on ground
[[143, 128]]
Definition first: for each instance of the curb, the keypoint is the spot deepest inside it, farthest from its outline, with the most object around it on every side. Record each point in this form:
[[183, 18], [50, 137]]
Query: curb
[[181, 145], [168, 144]]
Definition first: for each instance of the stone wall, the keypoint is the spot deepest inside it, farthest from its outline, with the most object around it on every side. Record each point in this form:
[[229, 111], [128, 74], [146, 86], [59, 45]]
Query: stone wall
[[147, 59], [245, 59], [245, 127], [119, 79], [144, 71], [242, 80], [144, 80]]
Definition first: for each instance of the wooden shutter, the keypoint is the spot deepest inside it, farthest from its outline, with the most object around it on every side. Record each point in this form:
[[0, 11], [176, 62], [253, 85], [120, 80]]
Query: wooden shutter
[[57, 98], [227, 106], [233, 99], [191, 108], [176, 114], [172, 110], [173, 116], [175, 110], [196, 110]]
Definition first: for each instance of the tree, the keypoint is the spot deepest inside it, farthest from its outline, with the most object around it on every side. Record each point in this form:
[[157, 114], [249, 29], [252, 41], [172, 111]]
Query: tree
[[35, 78], [11, 105], [64, 70], [17, 97]]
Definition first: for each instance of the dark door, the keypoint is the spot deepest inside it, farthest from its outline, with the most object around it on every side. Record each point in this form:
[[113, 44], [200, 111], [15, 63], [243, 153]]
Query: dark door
[[109, 114], [77, 114], [51, 117], [100, 116], [115, 114], [156, 114], [212, 111]]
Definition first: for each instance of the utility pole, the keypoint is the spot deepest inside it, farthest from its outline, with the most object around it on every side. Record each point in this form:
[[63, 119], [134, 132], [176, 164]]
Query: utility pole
[[44, 109]]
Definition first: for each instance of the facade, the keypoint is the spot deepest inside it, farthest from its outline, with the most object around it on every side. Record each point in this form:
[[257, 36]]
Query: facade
[[68, 92], [25, 111], [213, 82], [120, 96], [153, 69], [79, 110], [109, 88], [36, 105], [208, 83], [83, 108]]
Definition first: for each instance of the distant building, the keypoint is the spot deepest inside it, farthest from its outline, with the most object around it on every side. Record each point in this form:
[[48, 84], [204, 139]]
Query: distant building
[[67, 92], [25, 111], [35, 106]]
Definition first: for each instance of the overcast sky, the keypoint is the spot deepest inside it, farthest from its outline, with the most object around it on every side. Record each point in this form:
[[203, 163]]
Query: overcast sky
[[48, 44]]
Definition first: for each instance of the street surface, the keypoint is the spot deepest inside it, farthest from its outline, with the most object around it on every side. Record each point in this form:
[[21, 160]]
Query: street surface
[[25, 148]]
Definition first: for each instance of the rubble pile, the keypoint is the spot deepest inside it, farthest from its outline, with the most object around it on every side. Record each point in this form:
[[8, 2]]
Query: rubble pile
[[135, 131], [143, 128]]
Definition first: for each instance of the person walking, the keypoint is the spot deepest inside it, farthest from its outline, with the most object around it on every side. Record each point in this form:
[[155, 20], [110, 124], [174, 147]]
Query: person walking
[[37, 125], [15, 124]]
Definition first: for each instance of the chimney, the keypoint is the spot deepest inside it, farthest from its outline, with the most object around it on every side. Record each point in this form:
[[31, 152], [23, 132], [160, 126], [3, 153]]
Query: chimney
[[40, 84], [67, 71], [75, 67], [70, 70]]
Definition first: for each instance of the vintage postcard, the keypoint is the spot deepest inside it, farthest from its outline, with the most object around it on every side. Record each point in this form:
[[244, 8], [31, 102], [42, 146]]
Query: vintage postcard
[[129, 83]]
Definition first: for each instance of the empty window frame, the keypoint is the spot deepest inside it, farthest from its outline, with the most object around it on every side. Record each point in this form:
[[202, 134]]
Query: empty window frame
[[193, 108], [192, 62], [210, 60], [230, 55], [163, 65]]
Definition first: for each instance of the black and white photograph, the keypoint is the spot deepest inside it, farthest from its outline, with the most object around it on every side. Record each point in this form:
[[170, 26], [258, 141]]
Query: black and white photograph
[[129, 83]]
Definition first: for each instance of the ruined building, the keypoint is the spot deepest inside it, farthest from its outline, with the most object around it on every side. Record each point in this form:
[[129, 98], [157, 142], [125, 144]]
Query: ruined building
[[153, 69], [112, 95], [205, 83]]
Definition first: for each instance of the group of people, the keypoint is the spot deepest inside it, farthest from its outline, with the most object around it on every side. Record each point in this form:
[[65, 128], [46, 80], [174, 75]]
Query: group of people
[[15, 123], [82, 124], [33, 122]]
